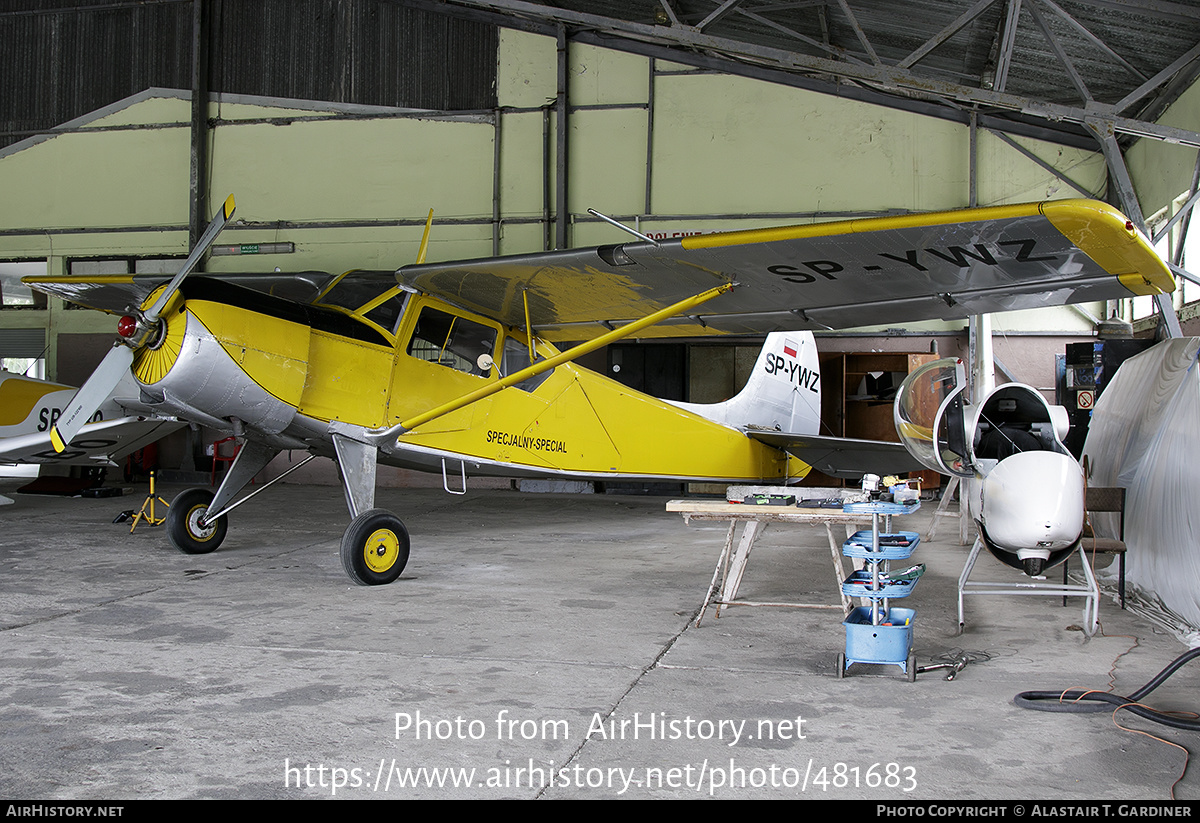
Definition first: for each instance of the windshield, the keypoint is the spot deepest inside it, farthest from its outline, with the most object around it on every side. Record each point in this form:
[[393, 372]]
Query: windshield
[[356, 289], [929, 417]]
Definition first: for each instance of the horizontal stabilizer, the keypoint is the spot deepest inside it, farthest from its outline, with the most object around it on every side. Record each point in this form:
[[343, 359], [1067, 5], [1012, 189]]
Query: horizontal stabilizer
[[842, 456]]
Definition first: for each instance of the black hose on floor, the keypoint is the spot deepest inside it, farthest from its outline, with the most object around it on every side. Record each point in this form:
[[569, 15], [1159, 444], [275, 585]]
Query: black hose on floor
[[1075, 701]]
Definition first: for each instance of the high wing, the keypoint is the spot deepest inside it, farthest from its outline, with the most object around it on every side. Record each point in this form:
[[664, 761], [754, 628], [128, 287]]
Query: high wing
[[844, 274], [842, 456], [99, 444], [118, 293]]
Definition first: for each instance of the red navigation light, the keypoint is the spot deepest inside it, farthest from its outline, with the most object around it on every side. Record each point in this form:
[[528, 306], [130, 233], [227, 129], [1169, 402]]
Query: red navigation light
[[127, 326]]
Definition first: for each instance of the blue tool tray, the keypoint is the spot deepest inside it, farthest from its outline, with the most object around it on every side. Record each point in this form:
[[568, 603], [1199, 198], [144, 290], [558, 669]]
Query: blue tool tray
[[859, 545], [881, 507], [867, 643], [859, 585]]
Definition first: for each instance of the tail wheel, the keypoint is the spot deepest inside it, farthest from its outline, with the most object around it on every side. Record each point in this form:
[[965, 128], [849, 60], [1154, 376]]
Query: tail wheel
[[375, 548], [185, 528]]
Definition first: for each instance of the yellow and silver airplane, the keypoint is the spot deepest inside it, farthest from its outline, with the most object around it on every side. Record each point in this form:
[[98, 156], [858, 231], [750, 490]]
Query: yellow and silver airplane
[[457, 367]]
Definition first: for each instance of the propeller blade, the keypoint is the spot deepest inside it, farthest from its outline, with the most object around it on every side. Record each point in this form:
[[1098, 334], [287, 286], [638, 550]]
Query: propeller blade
[[87, 400], [206, 240]]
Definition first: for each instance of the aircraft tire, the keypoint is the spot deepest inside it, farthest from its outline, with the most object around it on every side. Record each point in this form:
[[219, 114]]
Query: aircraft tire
[[375, 548], [183, 528]]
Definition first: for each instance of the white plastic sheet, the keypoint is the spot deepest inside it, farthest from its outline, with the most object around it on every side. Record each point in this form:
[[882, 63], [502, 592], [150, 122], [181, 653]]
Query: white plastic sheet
[[1145, 437]]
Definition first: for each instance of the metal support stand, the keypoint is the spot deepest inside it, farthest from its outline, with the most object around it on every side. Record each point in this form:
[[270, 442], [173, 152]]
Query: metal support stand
[[146, 513], [1091, 591], [943, 511]]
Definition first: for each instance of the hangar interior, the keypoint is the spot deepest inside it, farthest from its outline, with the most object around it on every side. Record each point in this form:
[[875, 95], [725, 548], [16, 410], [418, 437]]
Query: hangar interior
[[339, 124]]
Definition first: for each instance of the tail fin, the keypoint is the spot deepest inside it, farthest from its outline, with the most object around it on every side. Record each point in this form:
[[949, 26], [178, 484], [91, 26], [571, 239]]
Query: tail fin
[[782, 394]]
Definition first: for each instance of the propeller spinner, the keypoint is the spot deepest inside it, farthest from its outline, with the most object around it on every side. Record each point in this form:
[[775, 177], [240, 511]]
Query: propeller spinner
[[135, 331]]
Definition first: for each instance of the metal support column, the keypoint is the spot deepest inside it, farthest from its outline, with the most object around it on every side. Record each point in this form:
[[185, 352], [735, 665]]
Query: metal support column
[[1127, 200], [650, 136], [547, 195], [979, 348], [198, 196], [1185, 215], [973, 162], [560, 165], [496, 182]]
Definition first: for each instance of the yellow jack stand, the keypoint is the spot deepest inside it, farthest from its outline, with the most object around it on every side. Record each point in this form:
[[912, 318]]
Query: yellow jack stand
[[148, 503]]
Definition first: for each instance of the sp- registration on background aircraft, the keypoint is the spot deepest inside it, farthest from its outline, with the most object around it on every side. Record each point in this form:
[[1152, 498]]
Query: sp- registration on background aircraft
[[457, 365], [116, 428]]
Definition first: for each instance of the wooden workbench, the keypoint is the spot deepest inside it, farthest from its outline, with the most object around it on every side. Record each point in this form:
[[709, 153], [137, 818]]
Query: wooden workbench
[[731, 565]]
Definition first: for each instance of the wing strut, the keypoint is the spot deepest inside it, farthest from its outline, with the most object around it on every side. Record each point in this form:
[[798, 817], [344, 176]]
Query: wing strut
[[564, 357], [528, 328], [425, 239]]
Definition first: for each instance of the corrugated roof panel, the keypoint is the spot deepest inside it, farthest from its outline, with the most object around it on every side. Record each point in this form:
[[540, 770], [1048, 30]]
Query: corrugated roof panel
[[60, 59]]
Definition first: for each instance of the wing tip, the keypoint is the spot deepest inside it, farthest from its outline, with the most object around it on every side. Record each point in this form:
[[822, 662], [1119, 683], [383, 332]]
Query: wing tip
[[1108, 237]]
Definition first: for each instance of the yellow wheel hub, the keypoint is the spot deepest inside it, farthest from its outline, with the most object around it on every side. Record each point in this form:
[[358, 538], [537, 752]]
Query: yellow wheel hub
[[381, 550]]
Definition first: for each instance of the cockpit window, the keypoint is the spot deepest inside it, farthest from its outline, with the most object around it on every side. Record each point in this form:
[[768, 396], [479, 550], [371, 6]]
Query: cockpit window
[[516, 358], [357, 288], [449, 340], [388, 312], [356, 291]]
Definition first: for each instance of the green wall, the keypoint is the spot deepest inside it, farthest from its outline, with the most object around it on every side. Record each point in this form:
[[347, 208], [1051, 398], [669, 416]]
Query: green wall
[[1161, 171]]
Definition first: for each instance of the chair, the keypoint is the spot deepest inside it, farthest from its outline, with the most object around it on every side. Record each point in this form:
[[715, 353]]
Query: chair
[[218, 457], [1105, 499]]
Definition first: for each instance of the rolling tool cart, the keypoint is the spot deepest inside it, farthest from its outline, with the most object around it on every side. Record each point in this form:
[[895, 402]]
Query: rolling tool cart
[[880, 632]]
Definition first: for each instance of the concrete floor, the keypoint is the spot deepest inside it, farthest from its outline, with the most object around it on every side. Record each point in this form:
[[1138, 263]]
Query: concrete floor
[[522, 623]]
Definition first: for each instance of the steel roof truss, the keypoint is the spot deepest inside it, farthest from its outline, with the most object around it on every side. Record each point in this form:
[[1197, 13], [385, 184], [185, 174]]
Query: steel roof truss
[[1060, 53], [1096, 41], [1158, 79], [862, 35], [888, 78], [716, 15], [945, 34], [1008, 42]]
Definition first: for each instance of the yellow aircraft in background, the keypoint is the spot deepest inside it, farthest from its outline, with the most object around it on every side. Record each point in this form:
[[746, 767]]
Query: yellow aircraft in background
[[457, 367]]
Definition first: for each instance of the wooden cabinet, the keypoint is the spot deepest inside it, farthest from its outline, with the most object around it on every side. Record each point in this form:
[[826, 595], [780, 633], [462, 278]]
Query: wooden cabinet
[[857, 391]]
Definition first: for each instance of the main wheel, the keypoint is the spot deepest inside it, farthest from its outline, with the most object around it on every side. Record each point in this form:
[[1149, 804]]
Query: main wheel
[[374, 548], [184, 527]]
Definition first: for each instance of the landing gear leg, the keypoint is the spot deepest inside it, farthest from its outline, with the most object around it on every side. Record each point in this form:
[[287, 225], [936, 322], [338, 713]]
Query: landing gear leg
[[375, 545], [187, 525]]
